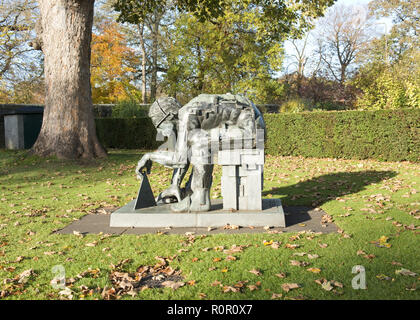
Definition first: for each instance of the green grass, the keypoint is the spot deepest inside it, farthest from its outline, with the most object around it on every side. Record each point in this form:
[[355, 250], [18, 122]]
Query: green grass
[[366, 199]]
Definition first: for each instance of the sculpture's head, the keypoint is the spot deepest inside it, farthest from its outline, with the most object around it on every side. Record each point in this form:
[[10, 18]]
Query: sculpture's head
[[164, 111]]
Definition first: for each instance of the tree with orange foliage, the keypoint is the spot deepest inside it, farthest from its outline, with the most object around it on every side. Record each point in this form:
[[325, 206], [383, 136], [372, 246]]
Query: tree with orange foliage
[[112, 65]]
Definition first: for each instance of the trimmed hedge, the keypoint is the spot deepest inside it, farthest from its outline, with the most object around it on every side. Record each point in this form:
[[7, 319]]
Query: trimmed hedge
[[132, 133], [387, 135]]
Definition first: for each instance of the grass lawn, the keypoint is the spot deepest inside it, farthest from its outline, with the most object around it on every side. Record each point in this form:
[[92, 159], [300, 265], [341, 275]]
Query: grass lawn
[[376, 205]]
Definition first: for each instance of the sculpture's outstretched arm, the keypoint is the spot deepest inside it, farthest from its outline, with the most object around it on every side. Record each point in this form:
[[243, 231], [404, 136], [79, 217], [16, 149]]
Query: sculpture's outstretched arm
[[166, 158]]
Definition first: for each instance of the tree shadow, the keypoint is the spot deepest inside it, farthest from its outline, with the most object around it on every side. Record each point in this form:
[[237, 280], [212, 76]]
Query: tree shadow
[[321, 189]]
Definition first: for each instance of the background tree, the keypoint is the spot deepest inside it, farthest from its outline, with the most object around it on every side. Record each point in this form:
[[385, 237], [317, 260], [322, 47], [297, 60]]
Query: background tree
[[390, 75], [225, 55], [113, 65], [20, 65], [342, 33], [64, 34]]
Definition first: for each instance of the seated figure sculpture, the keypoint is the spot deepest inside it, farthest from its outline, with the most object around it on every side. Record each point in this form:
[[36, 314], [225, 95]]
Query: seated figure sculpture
[[195, 133]]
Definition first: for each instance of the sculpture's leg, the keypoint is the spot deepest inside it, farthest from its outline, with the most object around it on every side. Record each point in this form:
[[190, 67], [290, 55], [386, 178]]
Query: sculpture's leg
[[201, 184], [202, 178]]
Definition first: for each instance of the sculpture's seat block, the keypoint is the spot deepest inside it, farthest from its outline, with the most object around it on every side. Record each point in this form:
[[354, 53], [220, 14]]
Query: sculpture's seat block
[[242, 178]]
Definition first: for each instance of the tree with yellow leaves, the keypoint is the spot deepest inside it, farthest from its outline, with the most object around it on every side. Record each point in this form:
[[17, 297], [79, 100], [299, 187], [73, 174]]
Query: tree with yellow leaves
[[112, 65]]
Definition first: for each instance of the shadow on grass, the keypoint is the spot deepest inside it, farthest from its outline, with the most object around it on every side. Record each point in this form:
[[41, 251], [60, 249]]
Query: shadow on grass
[[318, 190]]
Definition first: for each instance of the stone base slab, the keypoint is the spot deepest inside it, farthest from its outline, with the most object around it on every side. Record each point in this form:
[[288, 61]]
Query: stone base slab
[[161, 216]]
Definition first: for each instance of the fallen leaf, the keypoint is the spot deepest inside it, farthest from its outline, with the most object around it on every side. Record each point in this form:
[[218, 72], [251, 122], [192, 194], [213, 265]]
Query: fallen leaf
[[267, 243], [327, 286], [173, 284], [276, 296], [289, 286], [299, 263], [230, 289], [216, 283], [202, 295], [281, 275], [252, 287], [314, 270], [383, 277], [256, 272], [405, 272], [91, 244]]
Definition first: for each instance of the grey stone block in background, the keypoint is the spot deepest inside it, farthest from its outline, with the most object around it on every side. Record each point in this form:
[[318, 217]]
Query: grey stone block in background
[[13, 132], [21, 126]]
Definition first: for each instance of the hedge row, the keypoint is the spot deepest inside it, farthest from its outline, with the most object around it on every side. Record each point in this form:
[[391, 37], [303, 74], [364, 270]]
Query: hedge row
[[388, 135], [133, 133]]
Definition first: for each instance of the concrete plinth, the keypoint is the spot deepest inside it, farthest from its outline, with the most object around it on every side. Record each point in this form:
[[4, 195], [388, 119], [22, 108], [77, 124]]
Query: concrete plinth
[[272, 214]]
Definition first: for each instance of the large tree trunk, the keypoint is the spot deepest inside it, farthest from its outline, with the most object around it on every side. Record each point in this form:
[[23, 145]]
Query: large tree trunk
[[68, 128]]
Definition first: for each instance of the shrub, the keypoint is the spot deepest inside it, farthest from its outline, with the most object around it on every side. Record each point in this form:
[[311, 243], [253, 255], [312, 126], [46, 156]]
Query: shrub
[[129, 109], [389, 135], [296, 105]]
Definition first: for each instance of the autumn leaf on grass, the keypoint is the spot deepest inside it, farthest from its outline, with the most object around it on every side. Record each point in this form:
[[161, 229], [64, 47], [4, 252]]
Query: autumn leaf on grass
[[281, 275], [216, 283], [255, 271], [25, 275], [275, 245], [276, 296], [252, 287], [299, 263], [289, 286], [313, 256], [314, 270], [328, 285], [382, 242], [234, 249], [323, 245], [299, 254], [230, 258], [291, 246], [66, 293], [230, 289], [173, 284], [383, 277], [91, 244], [369, 256], [267, 243], [405, 272], [217, 259]]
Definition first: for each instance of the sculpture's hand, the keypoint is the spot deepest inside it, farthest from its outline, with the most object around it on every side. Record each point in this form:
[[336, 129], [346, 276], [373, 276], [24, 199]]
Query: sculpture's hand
[[144, 163]]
